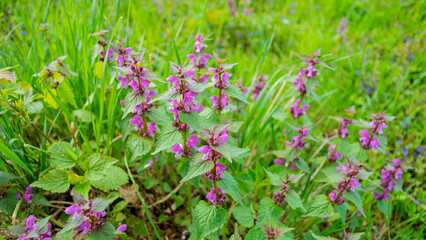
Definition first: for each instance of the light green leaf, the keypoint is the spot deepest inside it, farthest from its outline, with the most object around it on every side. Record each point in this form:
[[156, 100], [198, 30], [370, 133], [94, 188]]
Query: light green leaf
[[323, 237], [294, 201], [131, 101], [255, 233], [97, 165], [235, 92], [207, 219], [55, 181], [386, 208], [321, 207], [192, 119], [268, 209], [197, 167], [244, 216], [113, 179], [168, 137], [138, 146], [83, 189], [83, 115], [355, 198], [63, 155], [230, 186]]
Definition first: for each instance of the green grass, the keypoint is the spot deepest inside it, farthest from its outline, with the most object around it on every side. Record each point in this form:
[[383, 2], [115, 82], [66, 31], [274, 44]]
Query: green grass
[[382, 35]]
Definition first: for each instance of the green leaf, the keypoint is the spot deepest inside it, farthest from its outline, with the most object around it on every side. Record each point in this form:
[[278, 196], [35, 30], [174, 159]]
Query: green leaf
[[42, 227], [8, 203], [275, 179], [207, 219], [383, 142], [341, 209], [321, 207], [229, 151], [100, 204], [244, 216], [160, 116], [113, 179], [83, 189], [71, 224], [355, 236], [199, 87], [323, 237], [167, 95], [230, 186], [268, 209], [138, 146], [235, 92], [83, 115], [302, 165], [66, 94], [97, 165], [255, 233], [197, 167], [5, 177], [385, 207], [192, 119], [105, 232], [131, 101], [63, 155], [355, 198], [294, 201], [55, 181], [168, 137]]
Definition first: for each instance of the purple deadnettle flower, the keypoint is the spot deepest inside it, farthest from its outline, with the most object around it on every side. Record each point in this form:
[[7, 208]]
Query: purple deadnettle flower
[[214, 198], [279, 161], [378, 123], [259, 84], [223, 101], [368, 141], [348, 184], [192, 142], [34, 232], [343, 131], [122, 228], [332, 155], [297, 141], [295, 111], [27, 195], [389, 176]]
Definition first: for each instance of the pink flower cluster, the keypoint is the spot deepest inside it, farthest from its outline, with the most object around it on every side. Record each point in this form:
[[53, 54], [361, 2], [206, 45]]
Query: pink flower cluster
[[27, 196], [214, 198], [389, 176], [369, 141], [34, 232], [343, 131], [199, 59], [297, 141], [90, 218], [348, 184], [136, 78], [191, 144], [216, 137], [309, 73], [259, 84], [332, 155]]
